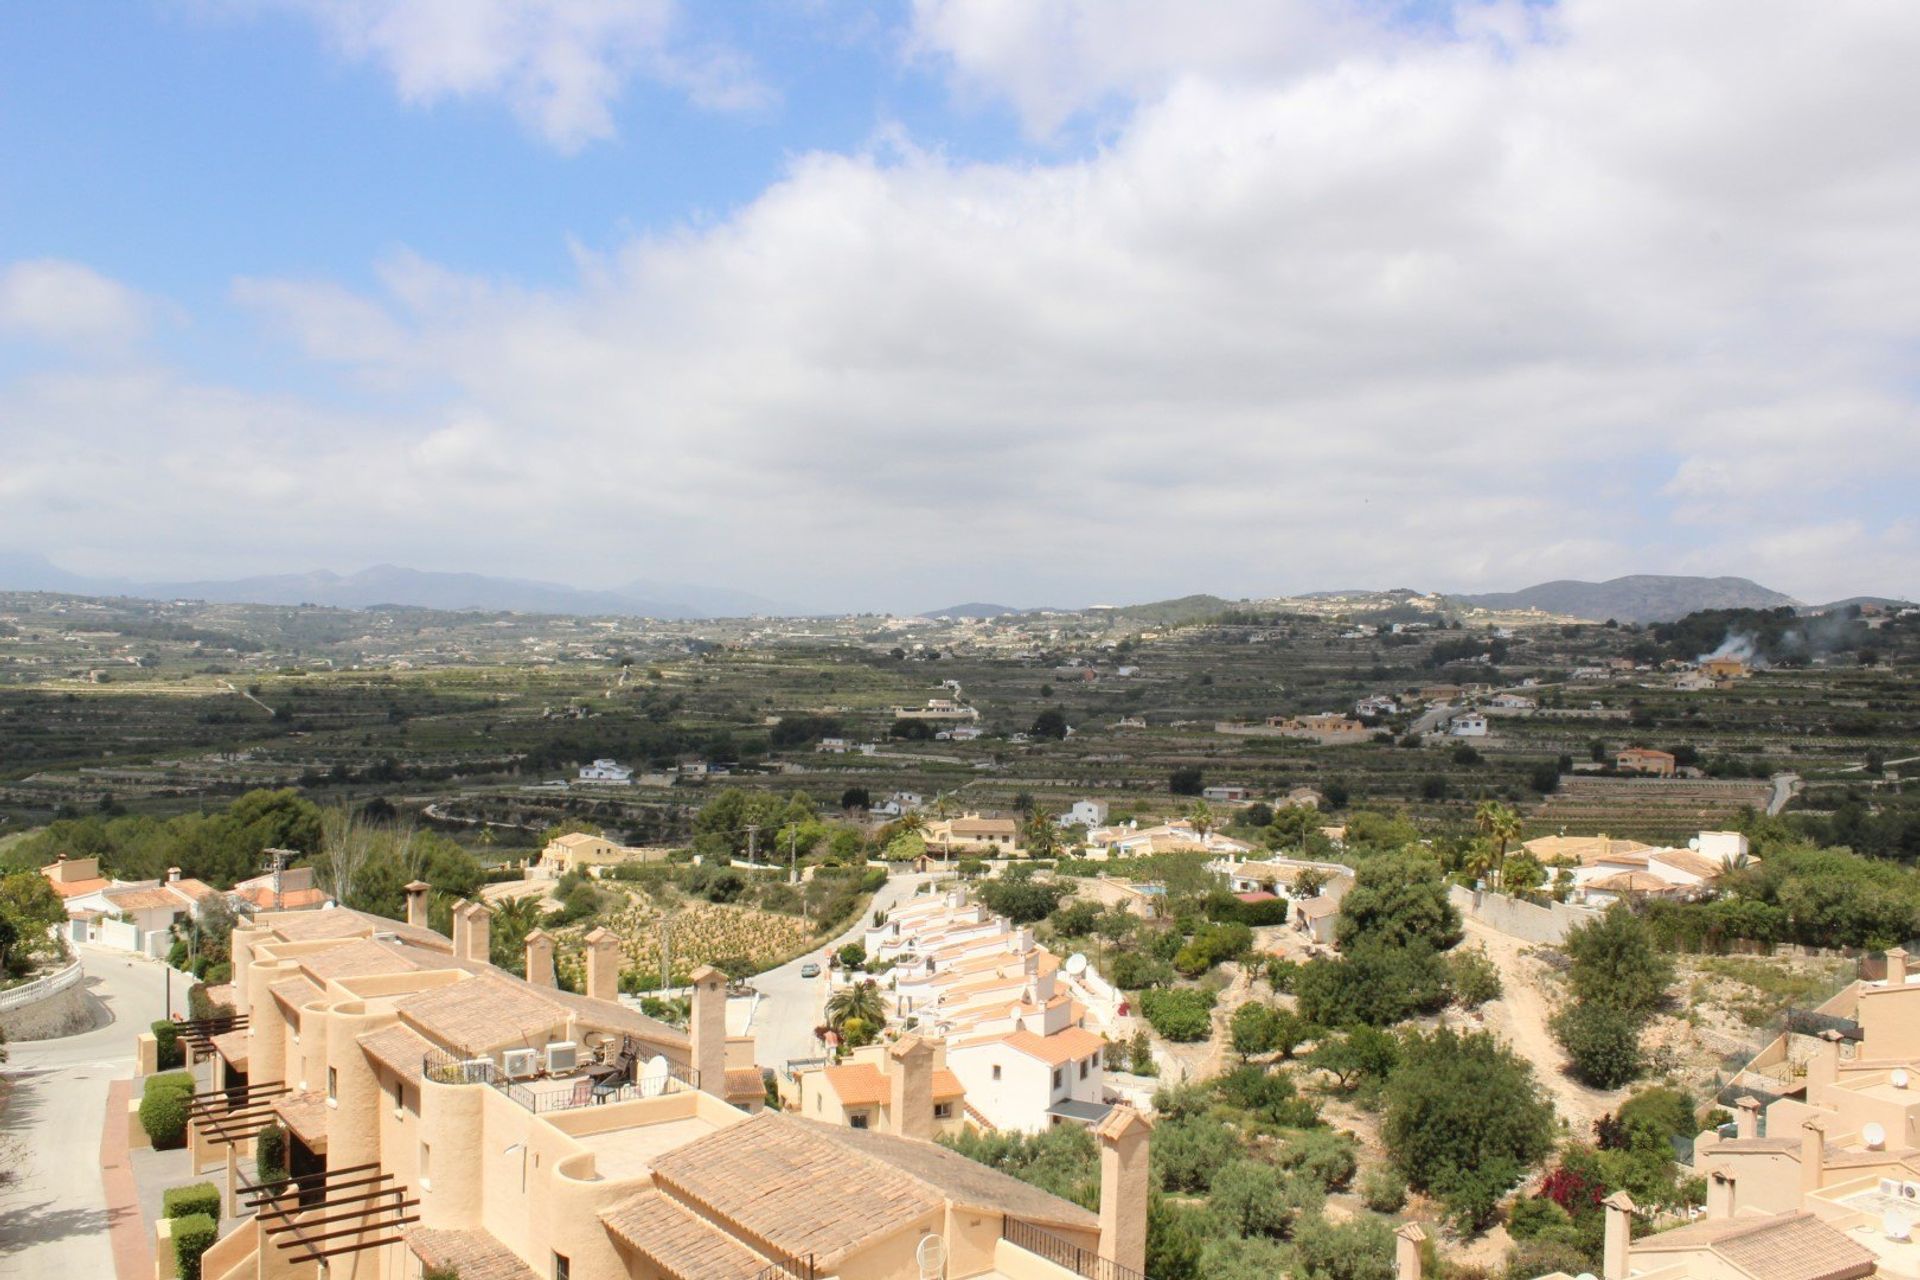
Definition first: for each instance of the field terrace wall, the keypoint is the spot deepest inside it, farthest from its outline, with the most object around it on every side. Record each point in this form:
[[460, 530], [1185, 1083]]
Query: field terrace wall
[[1548, 924]]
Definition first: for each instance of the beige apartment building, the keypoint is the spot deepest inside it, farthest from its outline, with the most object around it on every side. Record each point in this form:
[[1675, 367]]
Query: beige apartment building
[[578, 851], [1821, 1180], [442, 1112]]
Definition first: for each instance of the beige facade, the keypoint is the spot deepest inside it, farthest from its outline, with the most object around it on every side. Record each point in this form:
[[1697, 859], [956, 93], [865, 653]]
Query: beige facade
[[505, 1128], [904, 1088], [578, 851]]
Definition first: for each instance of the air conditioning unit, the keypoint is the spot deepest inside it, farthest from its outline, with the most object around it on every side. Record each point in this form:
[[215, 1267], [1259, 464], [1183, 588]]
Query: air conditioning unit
[[1889, 1186], [476, 1070], [521, 1063], [1910, 1191], [562, 1055]]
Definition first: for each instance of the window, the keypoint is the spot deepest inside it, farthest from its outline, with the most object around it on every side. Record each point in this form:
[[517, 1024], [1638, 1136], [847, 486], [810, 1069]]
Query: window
[[333, 1084], [943, 1111], [996, 1071], [426, 1166], [400, 1097], [1083, 1067], [1059, 1076], [562, 1267], [858, 1120]]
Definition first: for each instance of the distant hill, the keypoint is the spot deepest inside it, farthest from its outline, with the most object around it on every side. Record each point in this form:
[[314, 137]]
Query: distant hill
[[388, 584], [1640, 597], [1183, 609], [1885, 602], [974, 610]]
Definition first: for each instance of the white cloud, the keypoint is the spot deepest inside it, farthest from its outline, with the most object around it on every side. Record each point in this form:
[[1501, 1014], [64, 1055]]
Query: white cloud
[[1631, 291], [51, 300], [561, 65]]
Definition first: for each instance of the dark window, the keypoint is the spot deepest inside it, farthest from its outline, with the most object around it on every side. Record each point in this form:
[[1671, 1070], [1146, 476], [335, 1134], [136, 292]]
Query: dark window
[[857, 1120], [562, 1267]]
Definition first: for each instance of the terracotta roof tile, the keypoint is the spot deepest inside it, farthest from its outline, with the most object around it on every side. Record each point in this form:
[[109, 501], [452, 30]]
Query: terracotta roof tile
[[482, 1013], [355, 959], [947, 1085], [1790, 1246], [745, 1084], [399, 1049], [295, 991], [145, 898], [858, 1084], [74, 888], [231, 1045], [475, 1255], [1060, 1047], [304, 1113], [678, 1242]]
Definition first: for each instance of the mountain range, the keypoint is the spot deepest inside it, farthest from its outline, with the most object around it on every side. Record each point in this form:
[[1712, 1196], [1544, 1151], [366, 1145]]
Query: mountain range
[[1639, 597], [393, 585]]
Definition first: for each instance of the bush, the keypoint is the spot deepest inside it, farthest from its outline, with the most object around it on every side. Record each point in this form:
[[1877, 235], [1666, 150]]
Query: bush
[[270, 1154], [195, 1197], [1473, 978], [1531, 1216], [192, 1236], [163, 1109], [1135, 970], [1383, 1191], [1253, 1027], [171, 1056], [1182, 1015], [1616, 962], [1602, 1041], [1186, 1153], [1322, 1156], [853, 955]]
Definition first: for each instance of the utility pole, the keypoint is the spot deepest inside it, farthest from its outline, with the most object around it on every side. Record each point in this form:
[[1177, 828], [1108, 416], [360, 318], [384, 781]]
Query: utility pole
[[752, 833], [666, 955], [793, 857]]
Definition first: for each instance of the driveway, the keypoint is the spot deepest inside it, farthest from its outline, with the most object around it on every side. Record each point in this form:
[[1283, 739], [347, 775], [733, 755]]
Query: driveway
[[792, 1006], [53, 1216]]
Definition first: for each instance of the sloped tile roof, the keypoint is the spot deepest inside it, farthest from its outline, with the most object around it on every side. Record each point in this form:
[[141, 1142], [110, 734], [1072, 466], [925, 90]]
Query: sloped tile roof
[[354, 959], [481, 1012], [475, 1255], [399, 1049], [1060, 1047], [145, 898], [1788, 1246], [295, 991], [678, 1242], [231, 1045], [305, 1113], [745, 1084], [858, 1084]]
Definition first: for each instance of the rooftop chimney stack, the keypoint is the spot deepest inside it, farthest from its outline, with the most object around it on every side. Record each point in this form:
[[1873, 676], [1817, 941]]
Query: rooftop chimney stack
[[707, 1028], [910, 1088], [1406, 1251], [1813, 1154], [603, 965], [1746, 1117], [540, 958], [459, 918], [479, 932], [173, 876], [1124, 1180], [1897, 967], [417, 903], [1619, 1235]]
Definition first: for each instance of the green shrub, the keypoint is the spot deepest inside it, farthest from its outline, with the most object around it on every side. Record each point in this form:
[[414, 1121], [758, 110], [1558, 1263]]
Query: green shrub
[[1532, 1216], [270, 1154], [171, 1056], [219, 973], [1602, 1040], [193, 1235], [1473, 978], [195, 1197], [1182, 1014], [1383, 1191], [163, 1109]]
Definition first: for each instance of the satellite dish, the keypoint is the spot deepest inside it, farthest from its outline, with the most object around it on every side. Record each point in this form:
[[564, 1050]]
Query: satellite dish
[[1899, 1078], [653, 1079], [1693, 843], [1875, 1135], [1076, 965], [931, 1256]]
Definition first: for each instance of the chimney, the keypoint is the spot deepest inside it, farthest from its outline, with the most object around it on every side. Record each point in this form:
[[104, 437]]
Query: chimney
[[708, 1029], [910, 1088], [479, 932], [603, 965], [1719, 1195], [1124, 1179], [173, 877], [459, 918], [1813, 1154], [1619, 1234], [417, 903], [1897, 967], [540, 958], [1406, 1251], [1746, 1117]]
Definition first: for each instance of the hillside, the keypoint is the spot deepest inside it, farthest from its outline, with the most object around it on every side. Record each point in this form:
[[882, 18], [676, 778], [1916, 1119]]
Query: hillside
[[1640, 597], [974, 609]]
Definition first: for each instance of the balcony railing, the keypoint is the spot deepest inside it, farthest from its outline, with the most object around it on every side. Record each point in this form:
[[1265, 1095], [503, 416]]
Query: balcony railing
[[791, 1267], [1064, 1253]]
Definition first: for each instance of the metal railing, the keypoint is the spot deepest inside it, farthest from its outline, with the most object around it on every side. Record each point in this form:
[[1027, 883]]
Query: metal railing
[[791, 1267], [1064, 1253], [39, 989]]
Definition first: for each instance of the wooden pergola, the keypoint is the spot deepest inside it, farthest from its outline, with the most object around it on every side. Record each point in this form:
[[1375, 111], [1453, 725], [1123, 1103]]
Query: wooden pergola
[[197, 1034], [359, 1205], [233, 1115]]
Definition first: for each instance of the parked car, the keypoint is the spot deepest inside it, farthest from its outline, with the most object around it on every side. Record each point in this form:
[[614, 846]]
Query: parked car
[[809, 970]]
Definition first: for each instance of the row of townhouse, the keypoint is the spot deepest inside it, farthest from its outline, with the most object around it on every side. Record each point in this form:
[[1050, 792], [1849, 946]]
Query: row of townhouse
[[443, 1114], [141, 915], [1820, 1179]]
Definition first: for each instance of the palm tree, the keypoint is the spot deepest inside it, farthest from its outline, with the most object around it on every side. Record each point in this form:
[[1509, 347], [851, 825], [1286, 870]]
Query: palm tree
[[1500, 824], [1042, 837], [1201, 818], [860, 1000]]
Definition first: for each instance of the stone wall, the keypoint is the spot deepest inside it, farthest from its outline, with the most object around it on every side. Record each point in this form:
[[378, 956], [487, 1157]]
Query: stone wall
[[58, 1005], [1527, 921]]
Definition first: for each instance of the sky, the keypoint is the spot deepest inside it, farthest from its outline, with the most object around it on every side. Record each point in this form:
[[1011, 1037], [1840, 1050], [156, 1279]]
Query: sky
[[900, 304]]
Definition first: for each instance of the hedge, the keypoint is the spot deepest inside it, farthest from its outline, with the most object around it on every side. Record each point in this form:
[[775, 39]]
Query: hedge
[[270, 1154], [1181, 1014], [171, 1055], [163, 1109], [193, 1235], [195, 1197]]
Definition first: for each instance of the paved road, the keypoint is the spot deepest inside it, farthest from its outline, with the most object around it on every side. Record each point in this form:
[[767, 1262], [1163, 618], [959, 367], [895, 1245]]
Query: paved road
[[1784, 785], [53, 1217], [792, 1006], [1430, 720]]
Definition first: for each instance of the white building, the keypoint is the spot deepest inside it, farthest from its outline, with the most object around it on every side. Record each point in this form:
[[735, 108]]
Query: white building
[[1471, 724], [1376, 706], [1084, 813], [899, 804], [606, 771]]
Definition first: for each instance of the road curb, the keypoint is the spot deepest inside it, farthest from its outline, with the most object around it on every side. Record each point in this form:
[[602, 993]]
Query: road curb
[[132, 1250]]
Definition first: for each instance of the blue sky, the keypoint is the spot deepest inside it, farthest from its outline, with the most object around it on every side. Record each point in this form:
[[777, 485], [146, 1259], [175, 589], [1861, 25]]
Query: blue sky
[[1040, 301]]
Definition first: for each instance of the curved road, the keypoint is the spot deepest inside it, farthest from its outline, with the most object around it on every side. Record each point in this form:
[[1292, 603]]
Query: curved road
[[53, 1215], [792, 1006], [1784, 787]]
